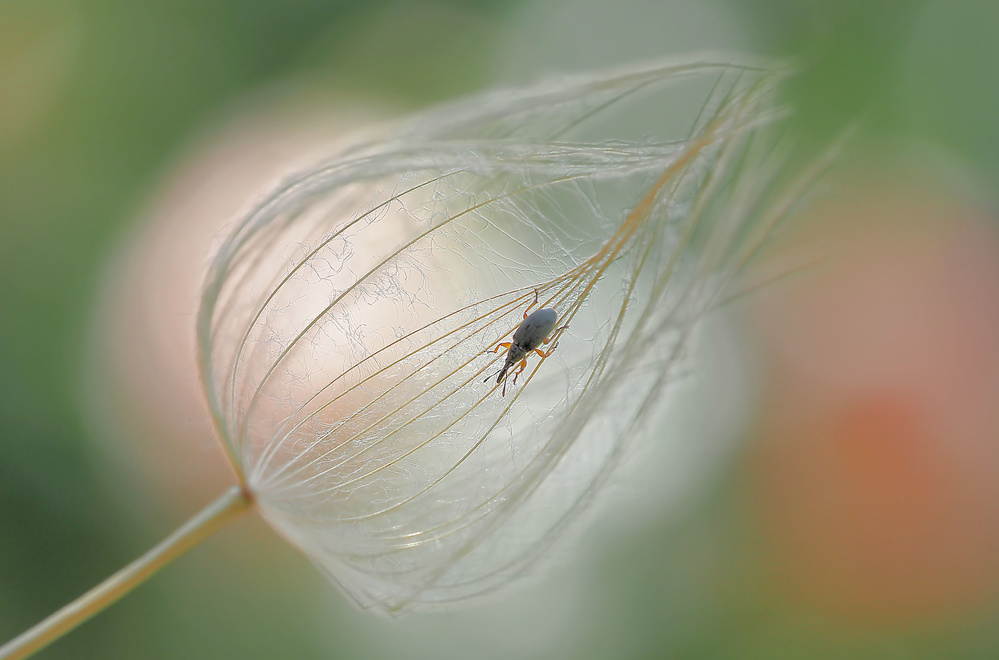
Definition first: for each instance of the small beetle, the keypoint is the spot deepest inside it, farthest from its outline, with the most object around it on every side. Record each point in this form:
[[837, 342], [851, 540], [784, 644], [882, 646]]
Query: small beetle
[[536, 329]]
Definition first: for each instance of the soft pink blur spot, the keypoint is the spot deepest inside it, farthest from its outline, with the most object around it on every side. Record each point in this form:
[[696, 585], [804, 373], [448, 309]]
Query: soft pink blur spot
[[151, 413], [877, 461]]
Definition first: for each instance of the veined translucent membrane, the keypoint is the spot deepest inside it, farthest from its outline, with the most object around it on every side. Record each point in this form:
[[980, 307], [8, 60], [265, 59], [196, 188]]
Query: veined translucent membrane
[[348, 324]]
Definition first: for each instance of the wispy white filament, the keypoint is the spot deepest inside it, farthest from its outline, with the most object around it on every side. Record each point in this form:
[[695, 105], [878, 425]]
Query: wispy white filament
[[347, 325]]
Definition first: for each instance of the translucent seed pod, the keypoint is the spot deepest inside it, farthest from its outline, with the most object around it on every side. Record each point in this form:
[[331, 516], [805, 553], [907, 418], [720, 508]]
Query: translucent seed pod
[[348, 324]]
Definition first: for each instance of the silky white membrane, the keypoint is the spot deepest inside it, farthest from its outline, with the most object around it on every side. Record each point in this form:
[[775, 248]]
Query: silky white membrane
[[347, 325]]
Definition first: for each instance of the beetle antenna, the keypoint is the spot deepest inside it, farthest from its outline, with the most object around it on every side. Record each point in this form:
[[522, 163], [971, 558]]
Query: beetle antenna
[[498, 374]]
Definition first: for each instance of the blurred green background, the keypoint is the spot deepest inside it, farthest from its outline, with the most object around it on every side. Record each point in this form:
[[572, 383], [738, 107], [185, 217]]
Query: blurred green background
[[108, 107]]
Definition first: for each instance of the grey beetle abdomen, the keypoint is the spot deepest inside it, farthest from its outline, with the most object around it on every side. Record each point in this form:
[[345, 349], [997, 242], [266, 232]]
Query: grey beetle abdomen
[[535, 329]]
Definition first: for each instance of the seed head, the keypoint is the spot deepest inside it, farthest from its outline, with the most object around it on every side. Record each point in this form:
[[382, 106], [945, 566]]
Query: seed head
[[348, 323]]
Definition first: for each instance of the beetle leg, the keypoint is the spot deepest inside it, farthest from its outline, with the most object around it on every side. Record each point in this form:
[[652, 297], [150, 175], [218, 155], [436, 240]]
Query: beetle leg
[[502, 344], [551, 350], [523, 365], [532, 304], [552, 334]]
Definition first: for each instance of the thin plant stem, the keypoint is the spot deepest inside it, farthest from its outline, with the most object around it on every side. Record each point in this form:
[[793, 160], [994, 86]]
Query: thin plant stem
[[234, 503]]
